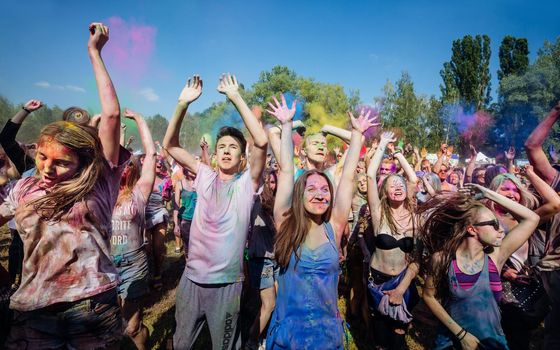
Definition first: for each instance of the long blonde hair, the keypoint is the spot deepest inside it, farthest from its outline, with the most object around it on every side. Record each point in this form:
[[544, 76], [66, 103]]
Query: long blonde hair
[[527, 199], [82, 140]]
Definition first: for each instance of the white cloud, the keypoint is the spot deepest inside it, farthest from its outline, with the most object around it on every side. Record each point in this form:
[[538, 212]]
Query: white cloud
[[75, 88], [373, 56], [46, 85], [43, 84], [149, 94]]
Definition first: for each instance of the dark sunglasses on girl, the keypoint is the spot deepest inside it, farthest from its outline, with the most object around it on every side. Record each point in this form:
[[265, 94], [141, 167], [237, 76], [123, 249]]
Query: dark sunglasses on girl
[[494, 223]]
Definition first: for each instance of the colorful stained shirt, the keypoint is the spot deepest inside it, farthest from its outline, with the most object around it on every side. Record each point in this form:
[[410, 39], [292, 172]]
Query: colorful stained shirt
[[128, 224], [219, 227], [306, 315], [69, 259]]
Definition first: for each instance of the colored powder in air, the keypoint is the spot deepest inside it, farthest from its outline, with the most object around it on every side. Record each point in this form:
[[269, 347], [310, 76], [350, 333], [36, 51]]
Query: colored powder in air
[[300, 105]]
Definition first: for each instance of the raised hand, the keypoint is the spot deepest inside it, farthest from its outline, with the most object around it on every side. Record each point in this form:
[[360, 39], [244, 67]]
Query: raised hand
[[33, 105], [474, 190], [423, 152], [510, 153], [449, 151], [473, 151], [130, 114], [203, 143], [228, 85], [387, 137], [95, 120], [99, 35], [192, 90], [281, 111], [363, 122]]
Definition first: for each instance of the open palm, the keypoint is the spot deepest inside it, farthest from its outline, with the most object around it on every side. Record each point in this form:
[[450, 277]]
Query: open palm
[[281, 111], [192, 90]]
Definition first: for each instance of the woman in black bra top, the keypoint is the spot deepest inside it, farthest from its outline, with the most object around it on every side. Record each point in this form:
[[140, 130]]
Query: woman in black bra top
[[394, 221]]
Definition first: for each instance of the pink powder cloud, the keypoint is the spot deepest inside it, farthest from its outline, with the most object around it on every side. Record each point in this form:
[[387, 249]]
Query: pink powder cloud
[[130, 47]]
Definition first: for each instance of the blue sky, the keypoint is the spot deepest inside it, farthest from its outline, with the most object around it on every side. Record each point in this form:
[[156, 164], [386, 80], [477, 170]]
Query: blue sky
[[155, 46]]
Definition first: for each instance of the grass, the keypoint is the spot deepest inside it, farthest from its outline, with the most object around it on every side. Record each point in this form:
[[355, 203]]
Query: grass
[[159, 311]]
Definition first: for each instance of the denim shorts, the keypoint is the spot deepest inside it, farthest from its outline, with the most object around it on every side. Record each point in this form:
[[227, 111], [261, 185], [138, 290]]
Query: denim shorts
[[133, 274], [91, 323], [263, 272]]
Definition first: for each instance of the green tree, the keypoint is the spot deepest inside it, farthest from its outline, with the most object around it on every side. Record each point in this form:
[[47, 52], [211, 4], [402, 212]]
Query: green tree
[[158, 126], [514, 56], [466, 77]]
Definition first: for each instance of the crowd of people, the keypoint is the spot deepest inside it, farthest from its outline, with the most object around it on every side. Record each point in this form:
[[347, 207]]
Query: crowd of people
[[478, 245]]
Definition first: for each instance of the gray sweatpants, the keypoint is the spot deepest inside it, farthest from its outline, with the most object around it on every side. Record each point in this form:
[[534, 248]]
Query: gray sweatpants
[[217, 304]]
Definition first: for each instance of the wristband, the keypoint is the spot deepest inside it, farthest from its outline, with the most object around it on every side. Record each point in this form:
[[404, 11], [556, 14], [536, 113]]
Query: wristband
[[461, 334], [464, 335], [26, 109]]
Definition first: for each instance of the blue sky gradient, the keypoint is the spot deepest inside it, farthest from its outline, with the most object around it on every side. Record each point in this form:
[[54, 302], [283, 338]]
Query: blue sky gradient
[[358, 44]]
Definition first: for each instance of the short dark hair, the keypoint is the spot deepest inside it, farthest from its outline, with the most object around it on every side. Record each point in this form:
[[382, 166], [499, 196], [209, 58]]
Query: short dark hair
[[233, 132]]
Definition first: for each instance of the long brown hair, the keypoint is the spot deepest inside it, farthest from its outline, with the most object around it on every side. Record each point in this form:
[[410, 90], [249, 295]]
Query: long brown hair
[[447, 218], [82, 140], [129, 181], [297, 222]]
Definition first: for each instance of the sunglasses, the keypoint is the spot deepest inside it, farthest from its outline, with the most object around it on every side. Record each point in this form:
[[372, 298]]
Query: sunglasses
[[493, 223]]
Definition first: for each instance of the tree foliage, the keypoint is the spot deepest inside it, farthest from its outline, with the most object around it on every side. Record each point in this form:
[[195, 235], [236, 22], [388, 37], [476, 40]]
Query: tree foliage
[[466, 77], [514, 56]]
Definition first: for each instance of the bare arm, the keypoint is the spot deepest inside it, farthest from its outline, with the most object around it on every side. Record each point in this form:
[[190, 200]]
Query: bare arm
[[110, 124], [147, 177], [405, 165], [274, 133], [551, 200], [228, 86], [191, 91], [528, 221], [429, 296], [441, 158], [285, 186], [342, 134], [204, 156], [344, 191], [533, 146], [373, 193], [471, 166], [510, 156]]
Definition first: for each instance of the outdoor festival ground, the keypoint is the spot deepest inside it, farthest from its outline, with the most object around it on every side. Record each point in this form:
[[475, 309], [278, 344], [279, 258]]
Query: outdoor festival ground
[[159, 314]]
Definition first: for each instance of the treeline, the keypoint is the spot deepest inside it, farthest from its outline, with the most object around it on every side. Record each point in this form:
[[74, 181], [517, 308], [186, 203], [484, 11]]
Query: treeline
[[464, 113]]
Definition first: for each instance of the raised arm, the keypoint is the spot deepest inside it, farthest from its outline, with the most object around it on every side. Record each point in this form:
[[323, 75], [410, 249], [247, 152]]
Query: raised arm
[[373, 192], [344, 191], [8, 137], [528, 222], [510, 156], [471, 165], [405, 165], [110, 124], [147, 177], [551, 200], [229, 87], [533, 146], [191, 91], [204, 155], [441, 158], [285, 185], [342, 134]]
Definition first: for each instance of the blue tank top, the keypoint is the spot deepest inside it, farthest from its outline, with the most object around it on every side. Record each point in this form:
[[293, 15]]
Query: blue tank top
[[306, 314], [474, 309]]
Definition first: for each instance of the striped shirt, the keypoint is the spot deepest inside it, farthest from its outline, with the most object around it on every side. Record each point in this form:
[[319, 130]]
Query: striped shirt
[[467, 281]]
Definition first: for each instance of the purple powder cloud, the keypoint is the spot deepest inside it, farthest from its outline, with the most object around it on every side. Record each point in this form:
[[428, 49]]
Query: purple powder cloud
[[130, 47]]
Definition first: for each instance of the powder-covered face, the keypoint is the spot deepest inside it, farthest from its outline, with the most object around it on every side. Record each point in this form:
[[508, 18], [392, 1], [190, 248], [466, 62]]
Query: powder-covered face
[[55, 162], [317, 195], [361, 168], [362, 184], [228, 154], [442, 173], [479, 179], [316, 148], [487, 234], [396, 189], [387, 168], [454, 179], [509, 189]]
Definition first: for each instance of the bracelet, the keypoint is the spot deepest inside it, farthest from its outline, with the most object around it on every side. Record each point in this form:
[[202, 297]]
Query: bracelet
[[26, 109], [461, 334]]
